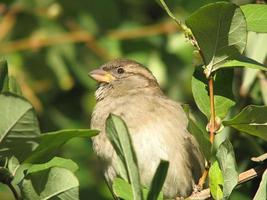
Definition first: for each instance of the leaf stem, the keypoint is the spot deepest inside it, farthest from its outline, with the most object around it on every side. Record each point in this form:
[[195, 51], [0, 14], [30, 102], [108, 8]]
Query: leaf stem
[[212, 111]]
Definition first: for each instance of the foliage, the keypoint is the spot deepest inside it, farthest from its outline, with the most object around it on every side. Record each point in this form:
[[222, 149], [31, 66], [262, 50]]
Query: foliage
[[51, 45], [30, 154], [219, 31]]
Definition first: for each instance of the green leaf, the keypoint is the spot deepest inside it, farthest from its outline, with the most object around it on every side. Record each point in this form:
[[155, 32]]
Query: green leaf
[[226, 158], [13, 165], [257, 50], [11, 86], [20, 173], [119, 136], [54, 162], [220, 31], [8, 83], [158, 180], [123, 190], [199, 132], [18, 126], [72, 194], [201, 137], [263, 84], [223, 95], [216, 181], [252, 120], [262, 191], [243, 61], [49, 143], [3, 73], [49, 183], [256, 17], [15, 117]]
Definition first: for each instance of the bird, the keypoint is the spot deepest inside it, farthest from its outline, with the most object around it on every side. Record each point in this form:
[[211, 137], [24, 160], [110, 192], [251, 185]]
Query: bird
[[157, 126]]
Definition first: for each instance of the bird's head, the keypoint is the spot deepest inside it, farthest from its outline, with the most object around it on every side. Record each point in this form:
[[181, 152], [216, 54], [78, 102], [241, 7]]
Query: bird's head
[[122, 76]]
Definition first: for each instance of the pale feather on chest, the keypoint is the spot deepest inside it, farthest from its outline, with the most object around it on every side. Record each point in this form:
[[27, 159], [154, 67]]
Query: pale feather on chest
[[151, 126]]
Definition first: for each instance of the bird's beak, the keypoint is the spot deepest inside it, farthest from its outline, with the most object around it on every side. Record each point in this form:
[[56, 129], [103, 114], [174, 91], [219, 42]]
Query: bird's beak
[[101, 76]]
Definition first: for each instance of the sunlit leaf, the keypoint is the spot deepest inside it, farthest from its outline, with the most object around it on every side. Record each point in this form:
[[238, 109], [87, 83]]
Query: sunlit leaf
[[216, 181], [256, 17], [257, 50], [226, 158], [122, 189], [262, 191], [13, 165]]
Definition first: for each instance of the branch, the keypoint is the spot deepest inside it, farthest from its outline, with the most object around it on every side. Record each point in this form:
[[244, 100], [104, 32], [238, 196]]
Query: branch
[[242, 178], [212, 128], [145, 31], [35, 43]]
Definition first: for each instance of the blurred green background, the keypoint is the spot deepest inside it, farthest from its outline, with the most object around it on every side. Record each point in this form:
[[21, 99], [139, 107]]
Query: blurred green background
[[51, 46]]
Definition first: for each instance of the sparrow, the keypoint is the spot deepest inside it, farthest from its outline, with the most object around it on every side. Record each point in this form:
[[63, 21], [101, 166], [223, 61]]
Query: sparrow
[[157, 126]]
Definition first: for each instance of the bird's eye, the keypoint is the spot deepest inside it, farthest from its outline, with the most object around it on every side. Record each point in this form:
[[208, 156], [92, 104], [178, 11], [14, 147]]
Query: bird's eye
[[120, 70]]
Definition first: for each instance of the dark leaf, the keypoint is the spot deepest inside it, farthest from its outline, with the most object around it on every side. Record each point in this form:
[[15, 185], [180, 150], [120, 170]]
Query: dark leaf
[[3, 73], [220, 31], [158, 180], [252, 120]]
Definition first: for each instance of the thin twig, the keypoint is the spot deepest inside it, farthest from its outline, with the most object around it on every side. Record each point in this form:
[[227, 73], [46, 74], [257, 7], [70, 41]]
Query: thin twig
[[7, 22], [212, 128], [251, 173], [38, 42], [203, 178], [242, 178], [144, 31], [93, 44]]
